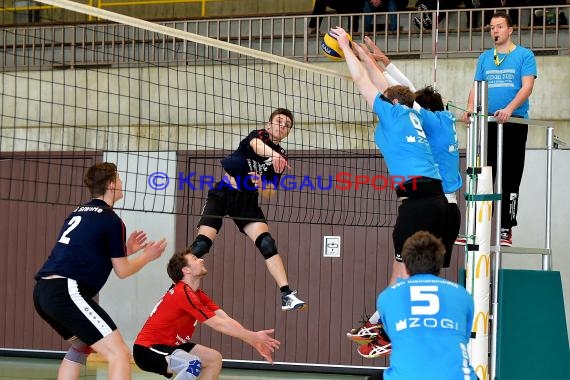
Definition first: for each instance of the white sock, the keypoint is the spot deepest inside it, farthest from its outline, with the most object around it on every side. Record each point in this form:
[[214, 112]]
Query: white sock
[[374, 318]]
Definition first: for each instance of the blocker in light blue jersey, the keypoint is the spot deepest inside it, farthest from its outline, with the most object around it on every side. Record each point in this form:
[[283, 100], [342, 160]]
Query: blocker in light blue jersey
[[439, 127], [428, 320], [505, 80], [400, 137]]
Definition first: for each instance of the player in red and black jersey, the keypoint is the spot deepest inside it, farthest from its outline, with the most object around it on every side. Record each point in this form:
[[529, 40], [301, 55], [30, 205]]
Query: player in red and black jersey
[[91, 243], [163, 345], [254, 167]]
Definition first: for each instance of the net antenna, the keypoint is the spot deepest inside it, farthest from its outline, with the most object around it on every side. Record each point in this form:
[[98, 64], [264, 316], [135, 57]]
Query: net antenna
[[435, 45]]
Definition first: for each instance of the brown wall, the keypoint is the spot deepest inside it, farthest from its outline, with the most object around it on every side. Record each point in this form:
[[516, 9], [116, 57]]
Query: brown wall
[[35, 195]]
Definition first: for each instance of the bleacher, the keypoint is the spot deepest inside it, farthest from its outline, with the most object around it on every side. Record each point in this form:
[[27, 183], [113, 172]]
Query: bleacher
[[285, 35]]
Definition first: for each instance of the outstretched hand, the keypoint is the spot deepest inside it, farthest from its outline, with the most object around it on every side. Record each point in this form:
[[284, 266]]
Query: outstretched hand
[[154, 249], [361, 50], [265, 344], [341, 37], [377, 53], [136, 242]]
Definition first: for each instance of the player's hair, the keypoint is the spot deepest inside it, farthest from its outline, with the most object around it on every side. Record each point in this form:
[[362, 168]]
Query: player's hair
[[429, 99], [404, 95], [505, 16], [282, 111], [175, 265], [99, 176], [423, 254]]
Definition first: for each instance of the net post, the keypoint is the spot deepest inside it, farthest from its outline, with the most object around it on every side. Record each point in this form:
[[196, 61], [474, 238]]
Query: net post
[[478, 230]]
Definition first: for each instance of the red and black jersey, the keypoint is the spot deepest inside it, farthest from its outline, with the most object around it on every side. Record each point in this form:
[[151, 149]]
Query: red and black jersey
[[244, 160], [173, 319]]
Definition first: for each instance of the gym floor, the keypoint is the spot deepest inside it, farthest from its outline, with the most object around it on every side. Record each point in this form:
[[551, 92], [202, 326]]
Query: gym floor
[[36, 368]]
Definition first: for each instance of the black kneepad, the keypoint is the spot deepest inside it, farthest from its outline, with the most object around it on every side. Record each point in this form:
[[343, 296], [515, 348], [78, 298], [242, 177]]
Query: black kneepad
[[201, 246], [266, 245]]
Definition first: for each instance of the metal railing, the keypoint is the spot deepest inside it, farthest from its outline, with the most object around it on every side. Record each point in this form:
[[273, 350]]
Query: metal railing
[[17, 5], [288, 36]]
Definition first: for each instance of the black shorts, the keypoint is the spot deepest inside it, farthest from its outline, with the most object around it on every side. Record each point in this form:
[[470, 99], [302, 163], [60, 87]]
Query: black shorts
[[241, 206], [62, 303], [153, 359], [451, 231], [426, 213]]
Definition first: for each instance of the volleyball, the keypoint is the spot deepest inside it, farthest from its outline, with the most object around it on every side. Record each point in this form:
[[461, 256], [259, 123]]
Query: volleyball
[[330, 47]]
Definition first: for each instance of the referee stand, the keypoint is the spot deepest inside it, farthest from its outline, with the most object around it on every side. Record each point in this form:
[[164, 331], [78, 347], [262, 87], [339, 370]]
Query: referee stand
[[527, 322]]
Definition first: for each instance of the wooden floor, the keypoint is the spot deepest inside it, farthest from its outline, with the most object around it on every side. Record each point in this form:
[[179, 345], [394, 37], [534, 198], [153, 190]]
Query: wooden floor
[[34, 368]]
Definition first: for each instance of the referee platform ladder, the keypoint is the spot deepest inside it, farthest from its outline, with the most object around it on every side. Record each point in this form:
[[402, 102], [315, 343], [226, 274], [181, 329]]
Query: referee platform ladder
[[531, 334], [527, 321]]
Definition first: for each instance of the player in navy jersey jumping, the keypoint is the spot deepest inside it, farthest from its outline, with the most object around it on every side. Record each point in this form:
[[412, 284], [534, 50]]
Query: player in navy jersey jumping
[[91, 243], [163, 345], [427, 318], [252, 169]]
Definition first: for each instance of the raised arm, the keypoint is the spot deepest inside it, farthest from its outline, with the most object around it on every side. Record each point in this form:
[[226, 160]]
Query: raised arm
[[260, 340], [359, 75], [375, 74], [392, 70]]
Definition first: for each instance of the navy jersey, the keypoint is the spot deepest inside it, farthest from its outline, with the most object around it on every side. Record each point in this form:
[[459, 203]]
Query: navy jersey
[[428, 320], [401, 139], [244, 160], [440, 130], [91, 235]]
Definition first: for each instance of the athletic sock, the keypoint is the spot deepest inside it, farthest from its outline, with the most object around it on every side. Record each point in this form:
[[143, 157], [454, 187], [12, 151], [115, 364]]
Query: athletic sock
[[285, 290], [374, 318]]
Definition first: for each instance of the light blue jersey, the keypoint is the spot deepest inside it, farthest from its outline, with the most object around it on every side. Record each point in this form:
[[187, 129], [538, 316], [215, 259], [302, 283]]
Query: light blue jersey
[[428, 320], [439, 127], [401, 139], [505, 80]]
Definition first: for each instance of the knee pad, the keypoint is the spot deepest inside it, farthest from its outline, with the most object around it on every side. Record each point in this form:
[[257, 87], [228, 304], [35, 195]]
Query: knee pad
[[78, 352], [266, 245], [185, 365], [201, 246]]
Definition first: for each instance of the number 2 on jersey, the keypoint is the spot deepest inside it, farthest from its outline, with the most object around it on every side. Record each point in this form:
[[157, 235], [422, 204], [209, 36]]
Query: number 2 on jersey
[[424, 294], [73, 223]]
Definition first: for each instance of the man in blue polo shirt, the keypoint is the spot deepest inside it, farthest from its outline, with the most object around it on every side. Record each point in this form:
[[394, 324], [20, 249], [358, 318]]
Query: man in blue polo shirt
[[510, 71]]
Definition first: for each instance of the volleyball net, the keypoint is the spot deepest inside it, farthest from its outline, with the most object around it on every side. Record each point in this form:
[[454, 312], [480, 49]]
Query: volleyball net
[[166, 105]]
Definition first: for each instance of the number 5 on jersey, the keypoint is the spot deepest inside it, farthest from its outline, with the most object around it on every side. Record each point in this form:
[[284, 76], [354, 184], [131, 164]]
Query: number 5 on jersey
[[422, 295]]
